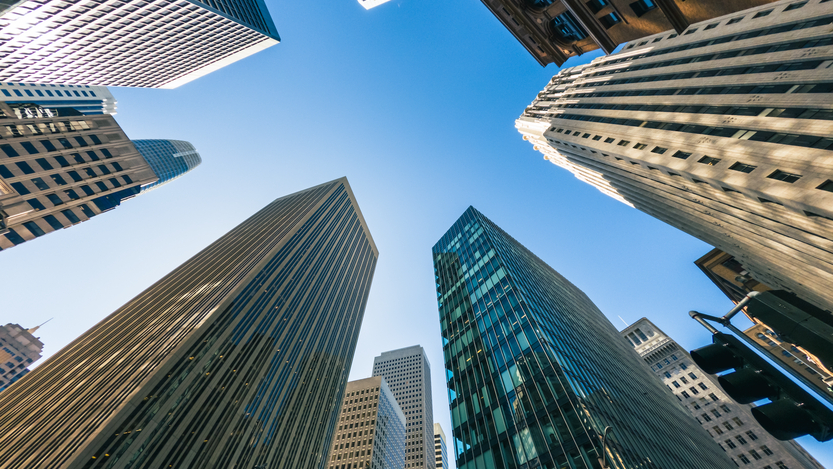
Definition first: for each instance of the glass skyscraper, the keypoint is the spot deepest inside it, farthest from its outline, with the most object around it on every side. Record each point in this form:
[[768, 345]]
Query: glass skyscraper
[[236, 359], [169, 159], [536, 372]]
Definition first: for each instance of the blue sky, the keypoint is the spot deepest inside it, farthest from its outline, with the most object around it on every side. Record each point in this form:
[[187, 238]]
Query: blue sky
[[415, 102]]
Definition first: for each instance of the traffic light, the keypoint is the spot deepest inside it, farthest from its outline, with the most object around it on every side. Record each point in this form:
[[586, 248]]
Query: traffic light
[[792, 412]]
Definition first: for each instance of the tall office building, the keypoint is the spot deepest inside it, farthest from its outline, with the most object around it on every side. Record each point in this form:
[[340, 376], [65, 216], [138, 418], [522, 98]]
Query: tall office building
[[371, 428], [19, 348], [723, 132], [60, 167], [237, 358], [536, 373], [553, 31], [730, 424], [368, 4], [408, 374], [169, 159], [88, 100], [440, 455], [147, 44]]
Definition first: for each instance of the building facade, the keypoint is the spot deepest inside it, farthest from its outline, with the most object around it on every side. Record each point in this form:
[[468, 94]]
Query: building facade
[[59, 167], [371, 428], [149, 44], [536, 373], [408, 374], [440, 454], [723, 132], [736, 282], [729, 423], [554, 30], [88, 100], [237, 358], [169, 159], [19, 348]]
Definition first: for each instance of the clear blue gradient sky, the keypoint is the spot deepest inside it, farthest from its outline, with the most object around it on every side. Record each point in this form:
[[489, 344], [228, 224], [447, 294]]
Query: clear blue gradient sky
[[414, 101]]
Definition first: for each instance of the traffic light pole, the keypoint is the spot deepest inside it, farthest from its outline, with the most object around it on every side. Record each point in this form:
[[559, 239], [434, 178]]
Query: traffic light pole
[[726, 321]]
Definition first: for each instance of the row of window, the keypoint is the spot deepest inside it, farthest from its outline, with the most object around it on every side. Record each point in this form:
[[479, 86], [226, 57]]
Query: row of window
[[718, 72], [824, 21], [808, 141], [42, 128], [48, 93], [787, 88], [790, 113], [70, 193], [15, 238], [11, 152], [787, 46]]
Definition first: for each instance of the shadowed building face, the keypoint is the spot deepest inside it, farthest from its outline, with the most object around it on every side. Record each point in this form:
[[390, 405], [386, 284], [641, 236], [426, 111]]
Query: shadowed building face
[[237, 358]]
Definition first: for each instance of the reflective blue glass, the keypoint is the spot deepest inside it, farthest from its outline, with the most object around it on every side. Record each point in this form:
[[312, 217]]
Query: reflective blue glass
[[169, 159], [536, 372]]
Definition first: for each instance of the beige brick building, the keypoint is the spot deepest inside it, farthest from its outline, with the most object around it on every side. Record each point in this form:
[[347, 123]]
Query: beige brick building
[[723, 132]]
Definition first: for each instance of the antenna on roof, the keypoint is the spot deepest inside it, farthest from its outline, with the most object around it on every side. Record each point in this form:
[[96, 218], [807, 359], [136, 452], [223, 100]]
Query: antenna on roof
[[32, 330]]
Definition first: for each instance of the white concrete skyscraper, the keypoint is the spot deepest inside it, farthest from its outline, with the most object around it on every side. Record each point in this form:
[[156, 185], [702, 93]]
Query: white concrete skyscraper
[[729, 423], [723, 131], [145, 43], [408, 374]]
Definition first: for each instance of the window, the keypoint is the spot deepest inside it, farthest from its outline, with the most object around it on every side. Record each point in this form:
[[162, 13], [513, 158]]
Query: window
[[681, 155], [611, 140], [34, 228], [623, 143], [766, 450], [731, 444], [706, 417], [708, 160], [795, 6], [685, 381], [740, 439], [761, 14], [106, 153], [640, 146], [585, 136], [596, 5], [713, 397], [781, 465], [35, 204], [826, 186], [717, 430], [127, 179], [659, 150], [784, 176], [716, 413], [14, 237], [676, 384], [683, 366], [735, 20], [44, 164], [743, 458], [58, 180], [752, 436], [53, 222], [725, 408], [29, 148], [9, 151], [737, 421], [24, 166], [702, 386], [711, 26], [40, 184], [81, 141], [597, 137], [95, 139], [742, 167], [65, 143], [62, 161], [685, 394], [86, 210], [667, 374], [696, 406], [88, 190], [609, 20], [72, 217]]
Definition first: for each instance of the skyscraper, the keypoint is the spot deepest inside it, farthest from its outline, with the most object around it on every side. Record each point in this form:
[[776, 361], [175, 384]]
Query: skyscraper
[[19, 348], [440, 455], [371, 428], [88, 100], [237, 358], [536, 373], [149, 44], [723, 132], [169, 159], [729, 423], [408, 374], [368, 4], [59, 167], [553, 31]]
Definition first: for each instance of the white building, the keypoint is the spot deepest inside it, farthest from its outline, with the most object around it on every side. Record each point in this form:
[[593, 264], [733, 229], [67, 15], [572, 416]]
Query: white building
[[136, 43], [723, 131], [729, 423], [408, 374], [368, 4], [440, 455], [86, 99]]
